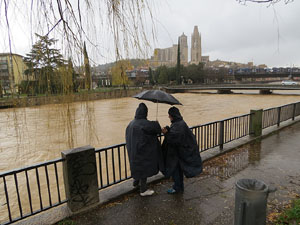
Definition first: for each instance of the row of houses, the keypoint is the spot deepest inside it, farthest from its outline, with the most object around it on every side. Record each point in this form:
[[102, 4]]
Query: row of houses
[[12, 72]]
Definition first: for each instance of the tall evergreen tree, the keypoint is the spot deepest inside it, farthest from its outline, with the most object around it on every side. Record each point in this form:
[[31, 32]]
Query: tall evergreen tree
[[42, 63], [151, 78], [1, 90], [178, 63], [87, 69]]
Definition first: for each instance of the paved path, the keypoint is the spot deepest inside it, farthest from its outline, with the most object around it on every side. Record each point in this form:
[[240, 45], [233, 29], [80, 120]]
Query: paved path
[[209, 198]]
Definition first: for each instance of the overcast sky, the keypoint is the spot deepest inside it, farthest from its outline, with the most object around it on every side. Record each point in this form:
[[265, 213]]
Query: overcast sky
[[230, 31], [234, 32]]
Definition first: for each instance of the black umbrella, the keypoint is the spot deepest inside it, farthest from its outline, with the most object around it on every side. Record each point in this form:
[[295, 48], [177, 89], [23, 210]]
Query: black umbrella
[[157, 96]]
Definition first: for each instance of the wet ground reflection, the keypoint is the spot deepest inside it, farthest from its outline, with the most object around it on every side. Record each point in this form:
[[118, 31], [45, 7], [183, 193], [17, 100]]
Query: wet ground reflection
[[230, 163]]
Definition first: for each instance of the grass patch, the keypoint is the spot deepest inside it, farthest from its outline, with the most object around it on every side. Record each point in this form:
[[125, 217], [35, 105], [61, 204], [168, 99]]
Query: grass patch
[[290, 215], [66, 222]]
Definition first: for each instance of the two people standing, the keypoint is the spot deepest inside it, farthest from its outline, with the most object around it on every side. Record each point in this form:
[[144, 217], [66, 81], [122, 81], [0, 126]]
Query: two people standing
[[178, 156]]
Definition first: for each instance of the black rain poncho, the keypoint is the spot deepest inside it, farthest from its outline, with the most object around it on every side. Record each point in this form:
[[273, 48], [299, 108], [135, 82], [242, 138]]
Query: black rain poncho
[[143, 146], [180, 146]]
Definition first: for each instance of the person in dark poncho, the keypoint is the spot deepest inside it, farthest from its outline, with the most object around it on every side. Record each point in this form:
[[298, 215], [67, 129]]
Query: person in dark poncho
[[143, 148], [180, 150]]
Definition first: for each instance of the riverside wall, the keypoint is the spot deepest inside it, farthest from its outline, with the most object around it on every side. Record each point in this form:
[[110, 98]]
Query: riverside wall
[[58, 99]]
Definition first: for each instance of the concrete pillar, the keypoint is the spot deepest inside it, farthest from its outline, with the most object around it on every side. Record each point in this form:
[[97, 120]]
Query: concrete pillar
[[265, 91], [80, 178], [294, 111], [221, 135], [224, 91], [256, 122]]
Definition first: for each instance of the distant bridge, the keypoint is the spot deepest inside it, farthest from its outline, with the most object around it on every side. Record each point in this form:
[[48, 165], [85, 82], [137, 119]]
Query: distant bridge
[[227, 88], [240, 76]]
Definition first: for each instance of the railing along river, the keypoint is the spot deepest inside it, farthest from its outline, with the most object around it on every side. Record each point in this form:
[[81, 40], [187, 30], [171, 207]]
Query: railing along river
[[44, 182]]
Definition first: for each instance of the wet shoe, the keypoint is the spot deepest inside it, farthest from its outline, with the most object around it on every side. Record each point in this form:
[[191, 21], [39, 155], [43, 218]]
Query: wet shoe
[[147, 193], [171, 191]]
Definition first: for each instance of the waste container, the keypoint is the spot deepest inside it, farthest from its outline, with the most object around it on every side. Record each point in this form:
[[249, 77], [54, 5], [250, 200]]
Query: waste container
[[251, 202]]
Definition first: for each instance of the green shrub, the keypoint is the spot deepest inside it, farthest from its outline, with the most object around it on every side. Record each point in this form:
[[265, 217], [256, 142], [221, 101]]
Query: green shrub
[[290, 215], [66, 222]]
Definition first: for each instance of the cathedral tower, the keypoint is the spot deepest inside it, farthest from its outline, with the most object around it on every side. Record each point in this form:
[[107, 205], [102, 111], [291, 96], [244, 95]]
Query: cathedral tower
[[196, 46], [183, 49]]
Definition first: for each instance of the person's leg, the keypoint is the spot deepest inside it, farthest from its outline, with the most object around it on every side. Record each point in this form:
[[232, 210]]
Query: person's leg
[[181, 185], [178, 179], [136, 182], [143, 185], [143, 188]]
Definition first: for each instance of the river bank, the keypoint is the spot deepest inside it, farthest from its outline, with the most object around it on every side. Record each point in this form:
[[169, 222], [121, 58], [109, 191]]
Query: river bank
[[57, 99]]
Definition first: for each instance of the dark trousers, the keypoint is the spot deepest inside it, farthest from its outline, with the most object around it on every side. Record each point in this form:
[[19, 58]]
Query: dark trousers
[[143, 184], [177, 177]]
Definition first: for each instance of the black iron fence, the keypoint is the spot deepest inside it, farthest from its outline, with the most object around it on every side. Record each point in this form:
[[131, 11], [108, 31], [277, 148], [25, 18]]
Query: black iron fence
[[31, 190], [112, 165], [279, 114], [207, 135], [270, 117], [218, 133], [28, 191]]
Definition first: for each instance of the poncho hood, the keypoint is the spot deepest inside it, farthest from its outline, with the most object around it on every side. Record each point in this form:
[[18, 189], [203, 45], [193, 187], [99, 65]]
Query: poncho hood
[[141, 111], [174, 112]]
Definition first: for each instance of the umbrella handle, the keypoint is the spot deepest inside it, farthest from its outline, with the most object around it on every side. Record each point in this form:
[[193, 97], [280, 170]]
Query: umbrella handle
[[156, 109]]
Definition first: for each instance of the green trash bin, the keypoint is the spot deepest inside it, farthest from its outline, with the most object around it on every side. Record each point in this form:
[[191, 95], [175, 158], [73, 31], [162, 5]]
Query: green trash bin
[[251, 202]]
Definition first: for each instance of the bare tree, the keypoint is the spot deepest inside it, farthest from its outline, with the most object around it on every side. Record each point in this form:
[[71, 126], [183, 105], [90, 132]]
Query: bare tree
[[265, 1], [76, 21]]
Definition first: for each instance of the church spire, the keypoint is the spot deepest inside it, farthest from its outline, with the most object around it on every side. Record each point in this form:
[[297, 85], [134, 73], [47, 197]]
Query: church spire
[[196, 46]]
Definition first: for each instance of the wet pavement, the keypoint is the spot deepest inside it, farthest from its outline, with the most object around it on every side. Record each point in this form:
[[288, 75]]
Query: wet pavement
[[209, 198]]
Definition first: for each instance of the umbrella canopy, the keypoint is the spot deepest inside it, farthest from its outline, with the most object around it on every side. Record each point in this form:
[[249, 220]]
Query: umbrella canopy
[[157, 96]]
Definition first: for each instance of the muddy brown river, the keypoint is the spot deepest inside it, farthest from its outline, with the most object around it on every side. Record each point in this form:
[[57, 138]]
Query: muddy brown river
[[36, 134]]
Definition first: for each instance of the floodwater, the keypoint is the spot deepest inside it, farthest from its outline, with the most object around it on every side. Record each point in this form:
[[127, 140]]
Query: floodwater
[[36, 134]]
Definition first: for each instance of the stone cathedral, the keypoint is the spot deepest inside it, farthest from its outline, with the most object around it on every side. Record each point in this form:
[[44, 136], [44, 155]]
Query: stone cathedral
[[196, 46], [168, 56]]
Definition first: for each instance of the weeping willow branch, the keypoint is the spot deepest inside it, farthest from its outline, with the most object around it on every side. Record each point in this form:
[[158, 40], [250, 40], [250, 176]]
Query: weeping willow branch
[[265, 1], [70, 22]]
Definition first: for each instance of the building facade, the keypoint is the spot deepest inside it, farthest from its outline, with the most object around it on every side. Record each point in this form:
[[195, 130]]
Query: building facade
[[165, 56], [12, 69], [168, 56]]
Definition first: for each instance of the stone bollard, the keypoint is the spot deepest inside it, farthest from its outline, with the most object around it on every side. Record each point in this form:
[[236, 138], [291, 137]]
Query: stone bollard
[[80, 178], [255, 122]]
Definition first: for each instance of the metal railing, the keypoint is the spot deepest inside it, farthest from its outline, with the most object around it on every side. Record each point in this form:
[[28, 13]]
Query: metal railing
[[270, 117], [112, 165], [45, 180], [280, 114], [218, 133], [28, 191], [207, 135], [236, 127]]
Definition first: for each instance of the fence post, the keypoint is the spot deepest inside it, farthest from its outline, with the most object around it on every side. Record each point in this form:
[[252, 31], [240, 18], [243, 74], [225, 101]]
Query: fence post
[[294, 111], [278, 118], [80, 178], [221, 135], [255, 122]]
